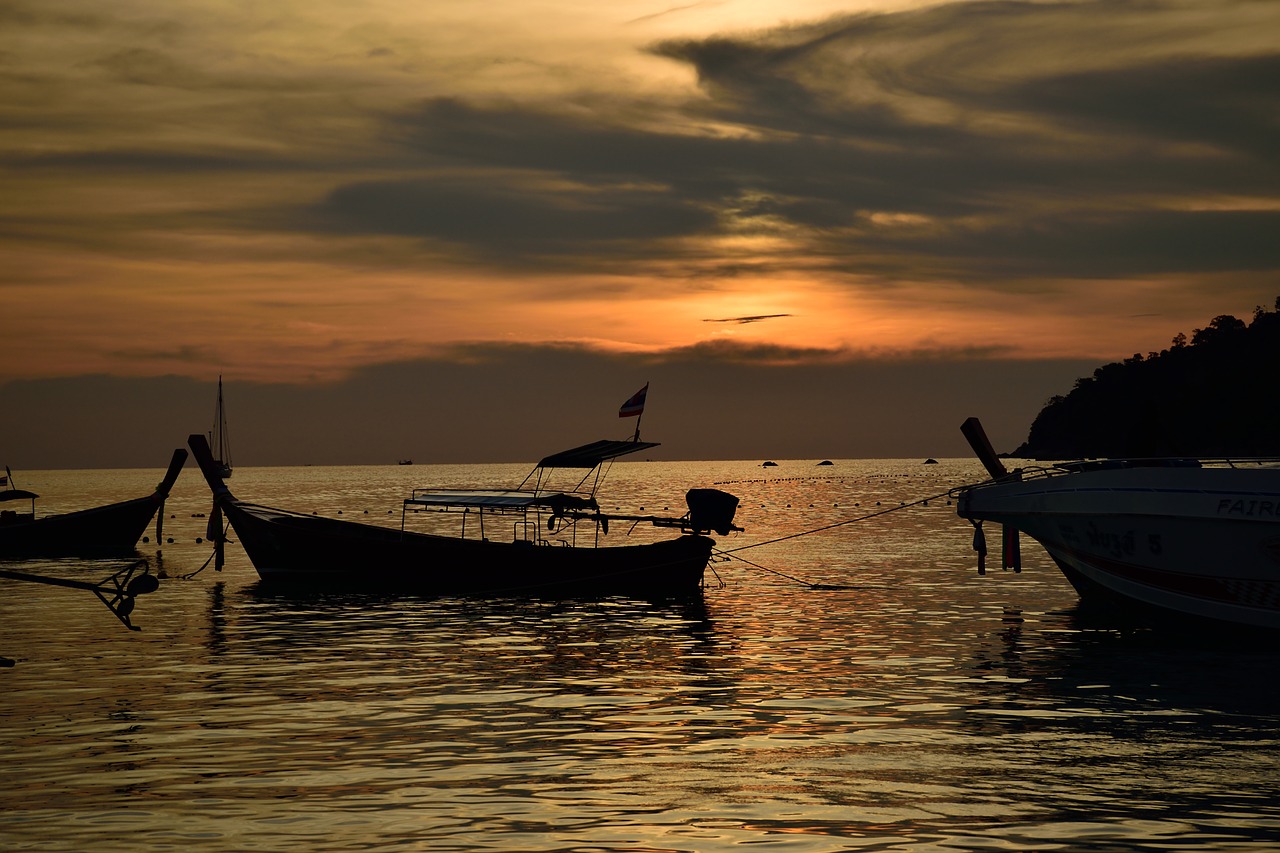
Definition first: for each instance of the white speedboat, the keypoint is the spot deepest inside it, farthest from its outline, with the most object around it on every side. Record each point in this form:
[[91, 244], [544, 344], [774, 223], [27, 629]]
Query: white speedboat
[[1187, 536]]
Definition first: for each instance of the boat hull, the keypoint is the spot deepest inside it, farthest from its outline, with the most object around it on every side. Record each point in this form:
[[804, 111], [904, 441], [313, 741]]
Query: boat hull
[[1195, 541], [106, 531], [290, 549]]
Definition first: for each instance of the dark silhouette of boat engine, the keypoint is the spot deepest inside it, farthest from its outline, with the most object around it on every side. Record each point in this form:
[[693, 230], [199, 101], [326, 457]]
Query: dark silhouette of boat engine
[[711, 509]]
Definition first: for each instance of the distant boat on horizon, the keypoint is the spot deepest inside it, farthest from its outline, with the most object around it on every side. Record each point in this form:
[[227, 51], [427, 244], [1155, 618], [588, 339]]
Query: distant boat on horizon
[[405, 462], [219, 440]]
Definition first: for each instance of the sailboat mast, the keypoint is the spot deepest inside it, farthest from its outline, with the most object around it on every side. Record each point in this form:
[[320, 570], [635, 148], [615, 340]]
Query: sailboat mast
[[220, 440]]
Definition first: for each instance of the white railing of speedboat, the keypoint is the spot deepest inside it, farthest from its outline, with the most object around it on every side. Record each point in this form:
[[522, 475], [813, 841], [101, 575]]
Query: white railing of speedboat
[[1061, 469]]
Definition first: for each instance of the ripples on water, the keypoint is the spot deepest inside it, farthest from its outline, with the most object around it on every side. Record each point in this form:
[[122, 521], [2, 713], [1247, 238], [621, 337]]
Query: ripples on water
[[921, 708]]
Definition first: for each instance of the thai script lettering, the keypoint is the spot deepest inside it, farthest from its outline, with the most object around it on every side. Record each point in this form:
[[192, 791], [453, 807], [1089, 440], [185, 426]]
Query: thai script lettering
[[1117, 544]]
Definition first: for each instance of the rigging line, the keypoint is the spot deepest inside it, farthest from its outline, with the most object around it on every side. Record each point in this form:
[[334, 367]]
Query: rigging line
[[190, 575], [726, 554], [730, 551], [801, 581]]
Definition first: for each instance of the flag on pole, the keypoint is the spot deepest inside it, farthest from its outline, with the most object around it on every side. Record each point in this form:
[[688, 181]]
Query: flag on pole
[[634, 406]]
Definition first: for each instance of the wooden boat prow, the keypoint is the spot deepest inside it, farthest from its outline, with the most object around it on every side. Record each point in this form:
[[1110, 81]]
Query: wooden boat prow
[[112, 530]]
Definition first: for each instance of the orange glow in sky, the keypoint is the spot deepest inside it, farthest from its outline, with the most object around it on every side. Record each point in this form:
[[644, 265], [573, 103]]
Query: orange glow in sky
[[296, 191]]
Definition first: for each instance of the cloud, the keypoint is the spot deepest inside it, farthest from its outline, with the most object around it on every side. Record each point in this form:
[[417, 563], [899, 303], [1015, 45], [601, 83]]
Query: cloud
[[969, 141], [414, 179], [510, 217], [1228, 103], [742, 321], [499, 409], [145, 66], [1102, 244]]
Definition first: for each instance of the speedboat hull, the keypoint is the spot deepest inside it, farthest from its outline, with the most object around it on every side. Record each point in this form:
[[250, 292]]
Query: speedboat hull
[[1186, 539]]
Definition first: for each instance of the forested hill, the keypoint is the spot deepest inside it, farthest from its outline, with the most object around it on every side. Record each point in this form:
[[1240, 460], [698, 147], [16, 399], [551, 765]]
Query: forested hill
[[1212, 395]]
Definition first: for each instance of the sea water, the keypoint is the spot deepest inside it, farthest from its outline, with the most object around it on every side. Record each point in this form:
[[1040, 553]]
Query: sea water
[[906, 704]]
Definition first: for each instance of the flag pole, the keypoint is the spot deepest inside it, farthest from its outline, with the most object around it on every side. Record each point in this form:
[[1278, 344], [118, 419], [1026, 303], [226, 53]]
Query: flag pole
[[635, 407]]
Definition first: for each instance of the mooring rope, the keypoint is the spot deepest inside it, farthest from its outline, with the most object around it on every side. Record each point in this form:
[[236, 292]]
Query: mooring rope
[[801, 581], [732, 552], [838, 523], [223, 535], [190, 575]]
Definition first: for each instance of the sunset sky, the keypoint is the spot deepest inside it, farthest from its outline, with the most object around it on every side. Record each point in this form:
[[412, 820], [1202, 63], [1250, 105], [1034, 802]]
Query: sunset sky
[[462, 231]]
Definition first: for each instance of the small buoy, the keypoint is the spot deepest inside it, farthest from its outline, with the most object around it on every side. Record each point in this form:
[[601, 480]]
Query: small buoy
[[146, 538], [169, 540], [198, 540]]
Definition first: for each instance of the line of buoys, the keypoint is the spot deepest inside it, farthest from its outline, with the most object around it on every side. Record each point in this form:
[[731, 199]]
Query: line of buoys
[[822, 479]]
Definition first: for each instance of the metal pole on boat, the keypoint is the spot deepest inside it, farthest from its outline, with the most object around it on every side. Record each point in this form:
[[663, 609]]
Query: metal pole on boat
[[214, 531], [635, 406], [977, 438], [160, 525]]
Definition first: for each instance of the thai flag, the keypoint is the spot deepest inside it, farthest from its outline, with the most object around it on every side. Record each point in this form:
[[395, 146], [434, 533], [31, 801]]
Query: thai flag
[[633, 407]]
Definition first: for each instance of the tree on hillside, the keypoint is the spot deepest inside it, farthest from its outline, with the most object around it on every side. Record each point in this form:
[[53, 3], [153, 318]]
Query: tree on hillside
[[1211, 395]]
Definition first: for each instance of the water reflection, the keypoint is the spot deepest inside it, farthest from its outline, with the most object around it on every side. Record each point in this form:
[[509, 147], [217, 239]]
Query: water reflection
[[524, 643], [920, 708]]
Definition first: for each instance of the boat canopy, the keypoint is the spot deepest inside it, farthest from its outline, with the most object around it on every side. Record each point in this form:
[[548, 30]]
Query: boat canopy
[[591, 455], [559, 502], [17, 494]]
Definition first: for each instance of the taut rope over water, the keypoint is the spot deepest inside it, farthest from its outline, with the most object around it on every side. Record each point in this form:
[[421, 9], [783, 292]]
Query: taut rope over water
[[733, 552]]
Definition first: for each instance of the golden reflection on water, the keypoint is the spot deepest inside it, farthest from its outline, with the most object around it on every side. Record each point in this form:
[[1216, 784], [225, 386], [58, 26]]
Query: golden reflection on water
[[918, 708]]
